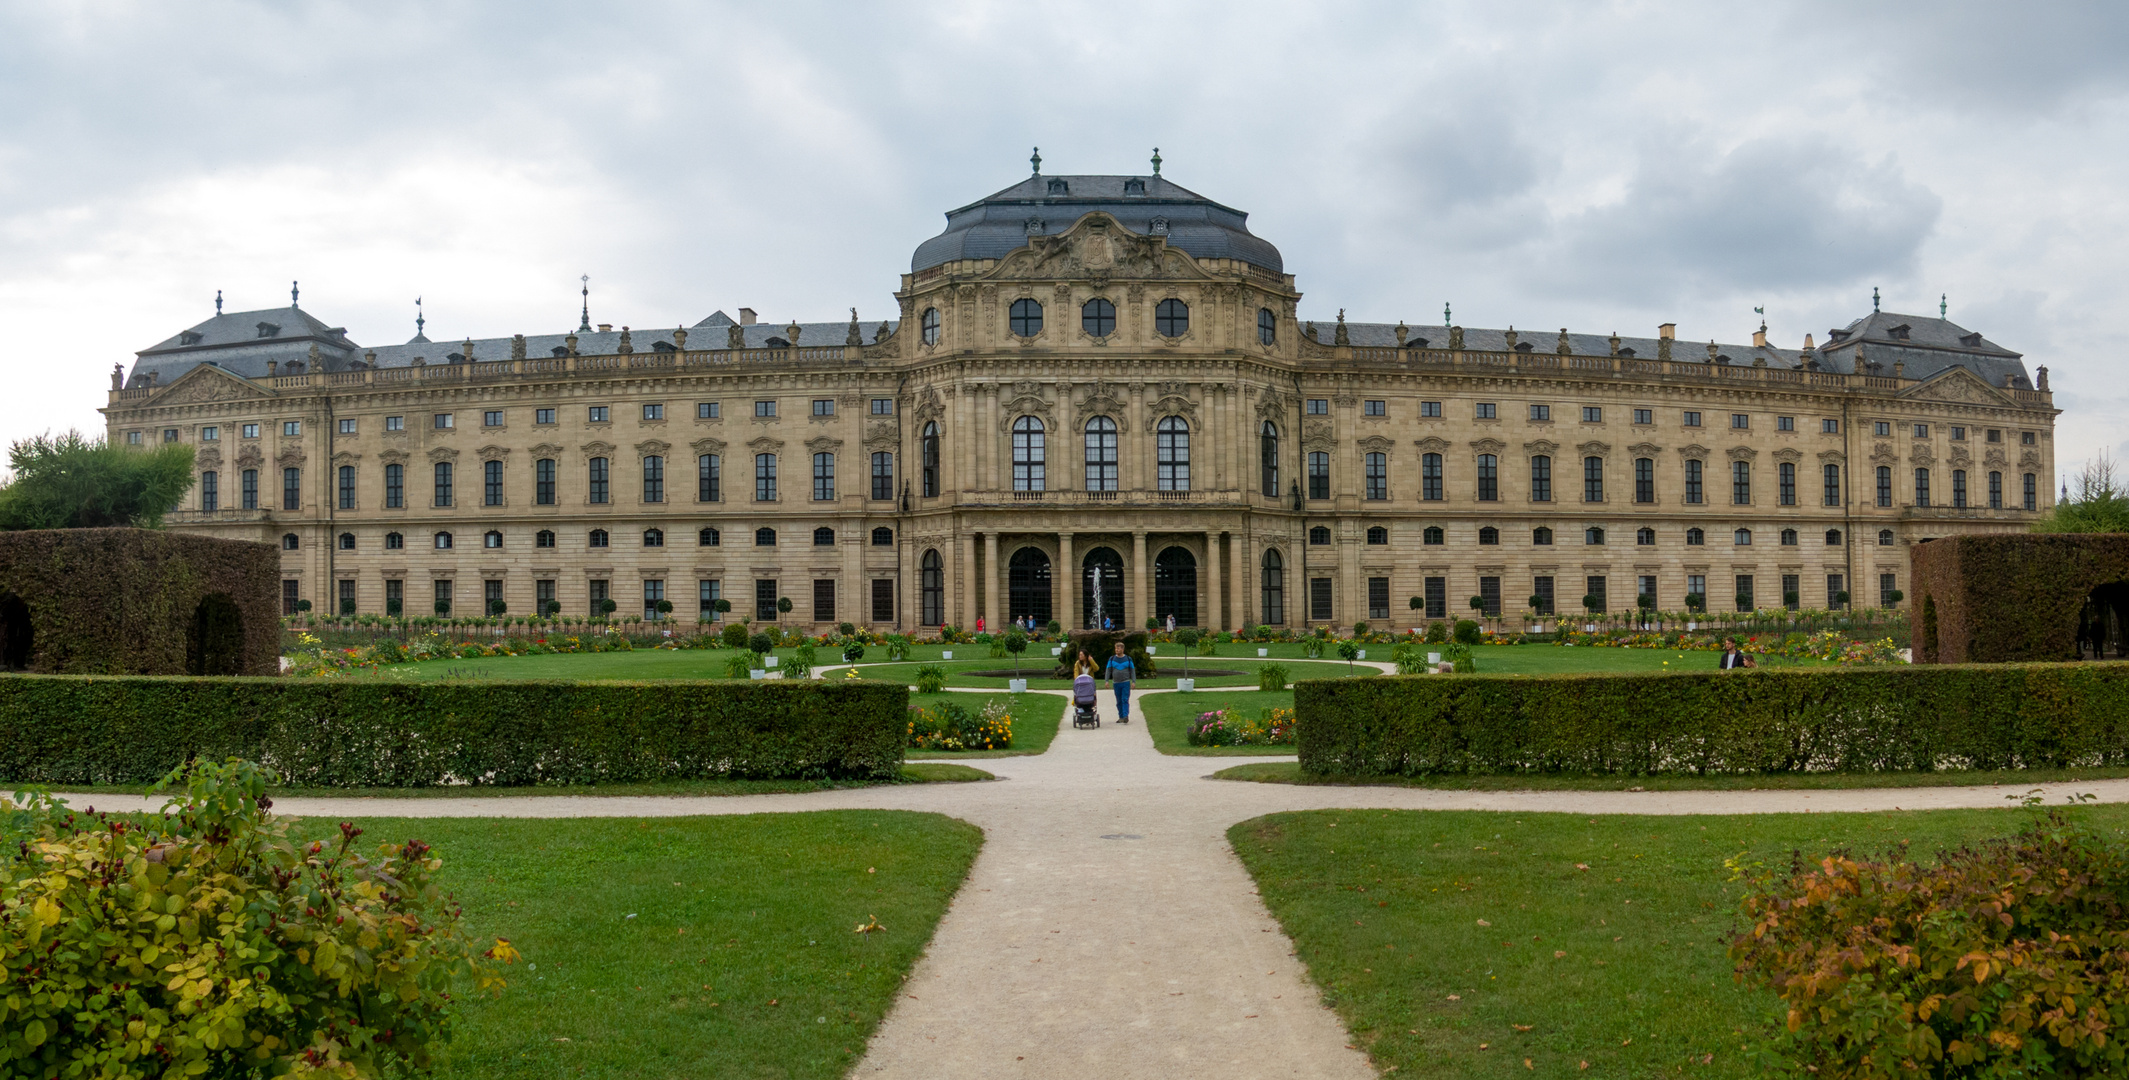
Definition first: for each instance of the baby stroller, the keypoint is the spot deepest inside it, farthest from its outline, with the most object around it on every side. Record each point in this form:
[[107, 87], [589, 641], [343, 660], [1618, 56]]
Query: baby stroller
[[1083, 697]]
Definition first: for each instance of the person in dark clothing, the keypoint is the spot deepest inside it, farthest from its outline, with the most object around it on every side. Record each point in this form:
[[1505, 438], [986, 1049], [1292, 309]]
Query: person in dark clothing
[[1731, 658]]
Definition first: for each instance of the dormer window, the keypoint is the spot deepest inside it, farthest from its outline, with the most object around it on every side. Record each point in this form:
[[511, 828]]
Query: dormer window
[[778, 343], [559, 350], [1132, 187], [1837, 335], [1059, 187], [1899, 333], [1971, 341], [1523, 347], [267, 329], [190, 337], [663, 347], [1035, 226], [1627, 352], [1160, 226]]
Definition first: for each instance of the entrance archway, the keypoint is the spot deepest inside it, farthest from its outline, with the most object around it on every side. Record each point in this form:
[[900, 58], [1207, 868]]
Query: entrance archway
[[18, 639], [1111, 598], [1028, 585], [2101, 625], [215, 645], [1175, 586]]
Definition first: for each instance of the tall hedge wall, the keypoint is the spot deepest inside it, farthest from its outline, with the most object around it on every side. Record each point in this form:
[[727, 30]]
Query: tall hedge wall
[[343, 733], [2010, 596], [130, 602], [1859, 719]]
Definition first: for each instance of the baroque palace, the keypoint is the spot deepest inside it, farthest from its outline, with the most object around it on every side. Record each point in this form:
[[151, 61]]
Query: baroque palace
[[1092, 379]]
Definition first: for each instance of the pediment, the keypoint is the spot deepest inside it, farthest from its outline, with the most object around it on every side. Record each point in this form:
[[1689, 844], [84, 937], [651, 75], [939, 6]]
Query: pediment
[[1693, 452], [1743, 453], [1789, 454], [707, 446], [1432, 445], [653, 447], [206, 384], [545, 450], [822, 444], [1097, 247], [1595, 448], [1645, 449], [1543, 447], [1376, 444], [1488, 446], [492, 452], [1960, 385]]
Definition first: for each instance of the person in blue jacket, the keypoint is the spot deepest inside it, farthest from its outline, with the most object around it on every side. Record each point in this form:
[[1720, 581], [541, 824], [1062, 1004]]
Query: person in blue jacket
[[1120, 672]]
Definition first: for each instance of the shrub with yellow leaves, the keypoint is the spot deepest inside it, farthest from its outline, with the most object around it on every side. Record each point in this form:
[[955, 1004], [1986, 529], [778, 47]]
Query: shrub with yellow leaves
[[205, 941]]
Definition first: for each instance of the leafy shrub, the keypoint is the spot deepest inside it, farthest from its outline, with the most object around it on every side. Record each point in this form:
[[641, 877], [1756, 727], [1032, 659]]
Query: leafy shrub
[[853, 652], [1765, 720], [950, 726], [931, 678], [1437, 633], [741, 664], [1206, 643], [734, 635], [802, 660], [1410, 657], [2010, 959], [1271, 676], [1312, 647], [1222, 727], [1467, 632], [205, 941], [761, 642], [386, 733], [898, 646]]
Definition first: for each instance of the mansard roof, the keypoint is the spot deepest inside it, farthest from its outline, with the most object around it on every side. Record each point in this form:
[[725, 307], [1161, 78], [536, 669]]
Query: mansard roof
[[992, 226]]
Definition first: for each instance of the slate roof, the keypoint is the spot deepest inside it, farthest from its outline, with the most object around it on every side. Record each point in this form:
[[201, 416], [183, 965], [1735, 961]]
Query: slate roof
[[995, 225], [243, 341], [1930, 345]]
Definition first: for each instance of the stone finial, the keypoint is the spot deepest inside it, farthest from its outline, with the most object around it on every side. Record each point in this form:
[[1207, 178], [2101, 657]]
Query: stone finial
[[466, 350], [571, 343], [314, 352], [680, 338], [1456, 338], [855, 336], [1563, 348], [880, 334], [118, 377], [1712, 350], [1510, 337], [2041, 380], [1615, 342], [1402, 332], [1663, 348], [273, 368], [627, 346], [735, 336], [1340, 336], [1309, 330], [791, 333], [1899, 369], [1808, 346], [517, 346], [369, 356]]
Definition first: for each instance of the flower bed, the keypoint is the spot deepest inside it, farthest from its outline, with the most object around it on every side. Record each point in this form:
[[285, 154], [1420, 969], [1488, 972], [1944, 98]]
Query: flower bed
[[951, 727], [1829, 645], [1226, 727]]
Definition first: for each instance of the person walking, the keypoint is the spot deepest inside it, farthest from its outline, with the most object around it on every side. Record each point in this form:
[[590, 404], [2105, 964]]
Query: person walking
[[1731, 658], [1121, 671]]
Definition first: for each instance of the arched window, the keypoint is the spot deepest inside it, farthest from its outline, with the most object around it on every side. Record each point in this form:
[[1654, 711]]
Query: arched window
[[1541, 537], [443, 483], [1026, 317], [1593, 535], [543, 482], [709, 538], [654, 538], [1788, 537], [1378, 535], [1028, 453], [931, 589], [443, 541], [1433, 536], [597, 480], [709, 478], [1488, 536], [653, 479], [765, 478], [1172, 454], [1098, 317], [1742, 538], [1274, 581], [1833, 538], [929, 322], [1267, 326], [1645, 537], [1101, 454], [1541, 479], [1268, 458], [1376, 474], [598, 538], [824, 477], [883, 537], [1644, 480], [1430, 477], [1884, 537], [1592, 479], [347, 541], [1489, 478], [1695, 538], [1171, 318], [929, 453], [394, 541], [543, 539], [1319, 535], [824, 537], [289, 542], [492, 540], [765, 538]]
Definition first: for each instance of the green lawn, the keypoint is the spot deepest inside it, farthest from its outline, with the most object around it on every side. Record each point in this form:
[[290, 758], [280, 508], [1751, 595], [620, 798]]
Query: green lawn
[[1563, 659], [691, 947], [1289, 772], [1167, 718], [640, 664], [959, 673], [1035, 721], [1460, 944], [911, 774]]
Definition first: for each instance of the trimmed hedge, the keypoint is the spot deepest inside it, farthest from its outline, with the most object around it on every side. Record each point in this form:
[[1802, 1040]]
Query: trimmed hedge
[[1862, 719], [350, 732], [138, 602], [2011, 596]]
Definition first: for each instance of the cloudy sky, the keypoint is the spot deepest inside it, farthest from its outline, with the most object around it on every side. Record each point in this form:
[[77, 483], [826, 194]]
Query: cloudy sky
[[1602, 167]]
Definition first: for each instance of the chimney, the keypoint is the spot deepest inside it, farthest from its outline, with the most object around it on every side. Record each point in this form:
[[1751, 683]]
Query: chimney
[[1759, 337], [273, 368], [1807, 343], [1667, 332], [606, 328], [746, 316]]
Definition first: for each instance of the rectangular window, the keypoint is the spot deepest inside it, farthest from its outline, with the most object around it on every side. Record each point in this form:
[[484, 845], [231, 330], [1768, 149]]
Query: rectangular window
[[1319, 474], [1745, 600], [1430, 409], [1541, 412], [1644, 480], [653, 595], [1785, 423], [2032, 501], [210, 434], [882, 406], [347, 487], [708, 478], [1921, 487], [491, 483], [823, 477], [765, 408], [1835, 585], [1645, 592], [1833, 485], [1792, 592], [1995, 435], [289, 597], [596, 414], [654, 479], [1644, 416], [391, 423], [347, 427], [1375, 408], [1485, 410], [1692, 419], [491, 595], [1740, 421], [883, 475], [765, 599], [291, 489], [492, 418], [1489, 595], [1319, 599], [707, 592], [442, 421], [543, 416], [1489, 478], [598, 475], [1437, 598], [708, 410], [1319, 406], [1884, 485], [543, 597], [1741, 483], [1541, 594], [250, 431], [1693, 485], [1430, 477], [1592, 479], [1591, 414], [654, 412], [543, 482], [824, 600], [1829, 427], [1378, 476], [1888, 584], [1378, 598], [1696, 588], [824, 406], [1958, 434], [1594, 598], [133, 438], [170, 434], [1995, 491], [765, 478], [395, 491], [443, 483], [1881, 428], [395, 596], [2025, 438], [291, 428], [210, 491], [1921, 431], [1958, 489], [1786, 479], [1541, 479]]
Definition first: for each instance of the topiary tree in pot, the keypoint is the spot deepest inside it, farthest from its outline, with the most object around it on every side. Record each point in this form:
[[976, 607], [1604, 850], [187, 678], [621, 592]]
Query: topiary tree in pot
[[1187, 637], [1015, 644]]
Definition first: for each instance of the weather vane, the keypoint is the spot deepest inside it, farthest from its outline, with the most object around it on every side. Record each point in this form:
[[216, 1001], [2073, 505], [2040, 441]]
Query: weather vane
[[1943, 304], [218, 301], [1762, 313], [1446, 320], [293, 293], [419, 321]]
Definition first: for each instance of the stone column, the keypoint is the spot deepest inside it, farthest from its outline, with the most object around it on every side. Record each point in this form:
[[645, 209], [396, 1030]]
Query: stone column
[[1140, 604], [991, 582], [1212, 620], [1065, 576], [964, 579], [1235, 577]]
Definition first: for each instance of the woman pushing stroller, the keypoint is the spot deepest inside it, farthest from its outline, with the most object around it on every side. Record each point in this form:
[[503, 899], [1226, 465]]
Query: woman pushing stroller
[[1084, 693]]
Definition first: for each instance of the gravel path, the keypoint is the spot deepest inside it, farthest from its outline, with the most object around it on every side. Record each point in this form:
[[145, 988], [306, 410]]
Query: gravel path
[[1107, 930]]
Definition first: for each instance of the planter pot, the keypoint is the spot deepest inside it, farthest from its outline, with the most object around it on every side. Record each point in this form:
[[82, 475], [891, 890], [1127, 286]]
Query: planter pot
[[947, 655], [772, 661], [1186, 685], [1153, 650], [1434, 658], [1056, 652], [1016, 686], [1263, 652], [1362, 655], [757, 673]]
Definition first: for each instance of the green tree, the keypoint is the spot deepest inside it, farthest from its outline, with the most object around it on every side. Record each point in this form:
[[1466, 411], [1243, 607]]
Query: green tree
[[2099, 504], [72, 482]]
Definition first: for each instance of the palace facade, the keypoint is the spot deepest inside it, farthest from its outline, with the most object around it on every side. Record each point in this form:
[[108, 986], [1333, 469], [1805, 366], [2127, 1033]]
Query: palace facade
[[1091, 378]]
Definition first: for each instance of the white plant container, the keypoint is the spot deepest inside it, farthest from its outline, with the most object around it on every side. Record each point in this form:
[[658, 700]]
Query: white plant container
[[1363, 655], [1434, 658], [757, 673], [770, 661], [947, 655], [1186, 685], [1016, 686], [1153, 650], [1263, 652], [1057, 652]]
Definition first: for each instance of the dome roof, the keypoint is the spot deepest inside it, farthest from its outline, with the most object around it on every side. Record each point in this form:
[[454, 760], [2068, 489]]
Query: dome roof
[[1047, 205]]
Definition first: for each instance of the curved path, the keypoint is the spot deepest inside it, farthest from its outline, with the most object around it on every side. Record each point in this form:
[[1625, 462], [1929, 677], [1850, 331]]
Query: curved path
[[1106, 929]]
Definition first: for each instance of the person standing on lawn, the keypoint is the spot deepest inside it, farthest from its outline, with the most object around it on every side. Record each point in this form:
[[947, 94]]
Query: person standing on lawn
[[1731, 658], [1121, 671]]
